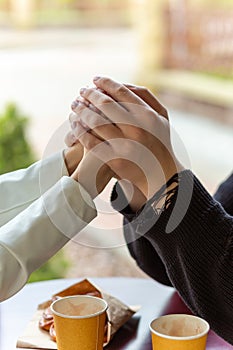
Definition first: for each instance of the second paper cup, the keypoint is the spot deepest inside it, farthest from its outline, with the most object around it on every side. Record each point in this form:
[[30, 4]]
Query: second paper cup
[[179, 332]]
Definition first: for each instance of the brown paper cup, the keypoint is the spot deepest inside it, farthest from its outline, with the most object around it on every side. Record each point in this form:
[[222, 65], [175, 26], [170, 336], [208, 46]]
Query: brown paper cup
[[79, 322], [179, 332]]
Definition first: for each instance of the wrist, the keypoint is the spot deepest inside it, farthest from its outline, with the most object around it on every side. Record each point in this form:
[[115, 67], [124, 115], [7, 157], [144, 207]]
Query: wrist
[[134, 196], [164, 197], [93, 185], [72, 157], [157, 178]]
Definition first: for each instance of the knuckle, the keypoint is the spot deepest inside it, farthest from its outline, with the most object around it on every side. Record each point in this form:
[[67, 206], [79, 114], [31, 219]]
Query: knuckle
[[79, 109], [93, 108], [69, 139], [121, 90], [78, 132], [106, 81], [84, 114], [88, 143], [98, 122], [105, 99], [88, 92], [95, 123]]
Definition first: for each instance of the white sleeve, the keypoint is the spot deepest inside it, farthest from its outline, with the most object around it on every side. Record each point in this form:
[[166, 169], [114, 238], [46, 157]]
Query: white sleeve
[[39, 231], [20, 188]]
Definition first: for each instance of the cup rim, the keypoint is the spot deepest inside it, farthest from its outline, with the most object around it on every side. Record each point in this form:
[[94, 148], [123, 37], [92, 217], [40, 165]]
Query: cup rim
[[105, 306], [181, 338]]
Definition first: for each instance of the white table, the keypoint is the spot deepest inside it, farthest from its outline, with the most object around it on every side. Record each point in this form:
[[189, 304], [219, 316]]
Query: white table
[[154, 298]]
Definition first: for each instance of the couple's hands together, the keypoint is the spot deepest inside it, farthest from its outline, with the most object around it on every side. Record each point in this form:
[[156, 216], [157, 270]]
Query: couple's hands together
[[125, 127]]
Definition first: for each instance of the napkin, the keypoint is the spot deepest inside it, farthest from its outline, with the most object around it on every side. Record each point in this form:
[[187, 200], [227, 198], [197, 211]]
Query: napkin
[[118, 313]]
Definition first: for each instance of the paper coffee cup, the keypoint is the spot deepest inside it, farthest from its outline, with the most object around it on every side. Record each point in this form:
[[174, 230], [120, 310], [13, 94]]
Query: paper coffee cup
[[179, 332], [79, 322]]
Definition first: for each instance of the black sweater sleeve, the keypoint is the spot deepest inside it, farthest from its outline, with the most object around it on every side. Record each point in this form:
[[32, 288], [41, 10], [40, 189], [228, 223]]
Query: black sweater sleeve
[[224, 195], [193, 239], [139, 247]]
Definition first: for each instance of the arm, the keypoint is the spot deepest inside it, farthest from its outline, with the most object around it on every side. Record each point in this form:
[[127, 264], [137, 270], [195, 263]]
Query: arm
[[193, 236], [197, 253], [135, 198], [139, 246], [39, 231], [21, 188]]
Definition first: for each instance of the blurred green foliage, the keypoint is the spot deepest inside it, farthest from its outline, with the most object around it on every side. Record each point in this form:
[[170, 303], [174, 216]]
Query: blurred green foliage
[[54, 268], [65, 13], [16, 153]]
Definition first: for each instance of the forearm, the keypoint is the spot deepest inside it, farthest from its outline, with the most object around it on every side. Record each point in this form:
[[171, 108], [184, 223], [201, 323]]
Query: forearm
[[139, 247], [193, 239], [145, 255], [21, 188], [40, 231], [195, 242]]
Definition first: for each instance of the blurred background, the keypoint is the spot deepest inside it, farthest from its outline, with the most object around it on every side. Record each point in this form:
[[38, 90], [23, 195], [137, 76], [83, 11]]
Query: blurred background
[[181, 49]]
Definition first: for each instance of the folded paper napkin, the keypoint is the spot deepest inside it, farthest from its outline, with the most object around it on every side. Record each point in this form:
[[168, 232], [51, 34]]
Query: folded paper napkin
[[118, 313]]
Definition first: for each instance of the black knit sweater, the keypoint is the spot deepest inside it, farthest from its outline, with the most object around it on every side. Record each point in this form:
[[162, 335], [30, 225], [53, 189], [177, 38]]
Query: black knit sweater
[[189, 246]]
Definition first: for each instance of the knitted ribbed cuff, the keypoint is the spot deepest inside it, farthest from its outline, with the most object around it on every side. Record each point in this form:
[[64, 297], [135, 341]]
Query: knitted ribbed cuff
[[191, 223]]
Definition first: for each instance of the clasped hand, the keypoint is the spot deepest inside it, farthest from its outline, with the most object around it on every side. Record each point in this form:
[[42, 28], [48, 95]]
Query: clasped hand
[[127, 130]]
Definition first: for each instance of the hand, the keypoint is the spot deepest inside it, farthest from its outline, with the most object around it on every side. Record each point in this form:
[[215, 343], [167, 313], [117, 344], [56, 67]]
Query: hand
[[148, 98], [83, 167], [139, 147], [92, 174], [134, 196], [137, 200]]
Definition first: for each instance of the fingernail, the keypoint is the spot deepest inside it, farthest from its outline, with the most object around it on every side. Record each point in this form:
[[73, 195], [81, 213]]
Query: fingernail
[[73, 125], [96, 78], [74, 104], [82, 91]]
